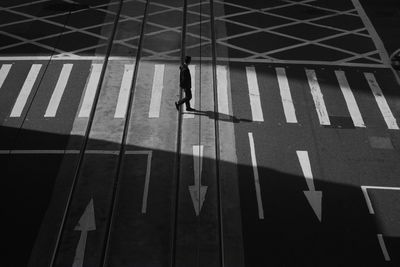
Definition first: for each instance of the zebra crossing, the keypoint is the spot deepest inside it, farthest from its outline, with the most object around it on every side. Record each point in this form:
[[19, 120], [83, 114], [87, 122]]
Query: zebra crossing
[[317, 90], [156, 81]]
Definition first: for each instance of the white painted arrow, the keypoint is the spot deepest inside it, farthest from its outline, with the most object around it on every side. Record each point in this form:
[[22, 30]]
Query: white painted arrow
[[313, 197], [198, 191], [86, 223]]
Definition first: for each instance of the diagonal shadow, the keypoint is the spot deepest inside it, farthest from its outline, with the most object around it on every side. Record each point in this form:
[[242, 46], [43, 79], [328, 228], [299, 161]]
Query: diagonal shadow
[[217, 116]]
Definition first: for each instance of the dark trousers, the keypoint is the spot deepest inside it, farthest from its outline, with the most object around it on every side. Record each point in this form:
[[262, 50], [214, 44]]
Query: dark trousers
[[186, 99]]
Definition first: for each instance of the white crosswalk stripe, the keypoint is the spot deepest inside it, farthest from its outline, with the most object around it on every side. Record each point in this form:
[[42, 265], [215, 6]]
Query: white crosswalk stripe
[[90, 90], [381, 101], [286, 96], [350, 100], [222, 90], [317, 97], [156, 92], [254, 94], [58, 91], [5, 69], [25, 91], [124, 91]]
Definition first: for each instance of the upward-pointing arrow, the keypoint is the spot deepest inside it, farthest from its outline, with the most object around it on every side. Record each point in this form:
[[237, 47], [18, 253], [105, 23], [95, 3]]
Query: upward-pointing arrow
[[198, 191], [313, 197], [86, 223]]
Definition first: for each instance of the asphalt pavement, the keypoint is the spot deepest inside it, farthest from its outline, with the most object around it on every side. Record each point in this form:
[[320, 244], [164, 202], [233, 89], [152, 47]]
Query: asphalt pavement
[[290, 158]]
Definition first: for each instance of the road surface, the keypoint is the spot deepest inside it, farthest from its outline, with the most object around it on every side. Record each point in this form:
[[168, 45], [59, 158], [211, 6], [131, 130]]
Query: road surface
[[290, 159]]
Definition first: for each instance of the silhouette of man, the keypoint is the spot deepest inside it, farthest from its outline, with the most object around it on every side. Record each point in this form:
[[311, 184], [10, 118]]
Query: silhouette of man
[[186, 84]]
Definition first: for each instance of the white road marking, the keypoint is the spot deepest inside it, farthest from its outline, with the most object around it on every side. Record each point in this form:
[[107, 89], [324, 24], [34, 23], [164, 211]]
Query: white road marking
[[124, 91], [383, 247], [286, 96], [372, 32], [90, 90], [60, 151], [58, 91], [149, 154], [86, 223], [318, 98], [313, 197], [306, 168], [192, 69], [25, 91], [364, 189], [5, 68], [198, 191], [381, 101], [243, 60], [350, 100], [73, 151], [222, 89], [156, 92], [256, 178], [254, 94]]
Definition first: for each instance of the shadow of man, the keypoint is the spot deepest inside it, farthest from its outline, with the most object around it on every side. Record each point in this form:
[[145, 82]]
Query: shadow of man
[[218, 116]]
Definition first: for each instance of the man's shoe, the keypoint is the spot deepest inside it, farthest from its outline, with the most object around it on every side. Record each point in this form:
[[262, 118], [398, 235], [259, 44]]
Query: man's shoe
[[177, 106], [190, 109]]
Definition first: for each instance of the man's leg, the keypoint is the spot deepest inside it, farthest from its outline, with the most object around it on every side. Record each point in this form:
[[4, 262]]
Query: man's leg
[[188, 96]]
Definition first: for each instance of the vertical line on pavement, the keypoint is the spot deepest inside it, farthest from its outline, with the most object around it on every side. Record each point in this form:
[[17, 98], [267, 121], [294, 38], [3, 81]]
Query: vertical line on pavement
[[383, 247], [177, 161], [216, 123], [115, 192], [198, 232], [256, 177], [86, 136]]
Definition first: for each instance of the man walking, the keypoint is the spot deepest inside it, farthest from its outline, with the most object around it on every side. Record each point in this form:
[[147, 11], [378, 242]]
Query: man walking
[[186, 84]]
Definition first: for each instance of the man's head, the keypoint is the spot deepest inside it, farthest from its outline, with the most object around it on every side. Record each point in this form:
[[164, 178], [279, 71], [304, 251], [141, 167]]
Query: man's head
[[188, 59]]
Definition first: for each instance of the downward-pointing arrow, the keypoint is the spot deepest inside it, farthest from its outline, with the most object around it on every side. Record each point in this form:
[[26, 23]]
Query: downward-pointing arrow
[[313, 197], [198, 191], [86, 223]]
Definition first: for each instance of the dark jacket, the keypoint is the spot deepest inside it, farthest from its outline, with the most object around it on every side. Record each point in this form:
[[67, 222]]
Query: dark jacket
[[185, 78]]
